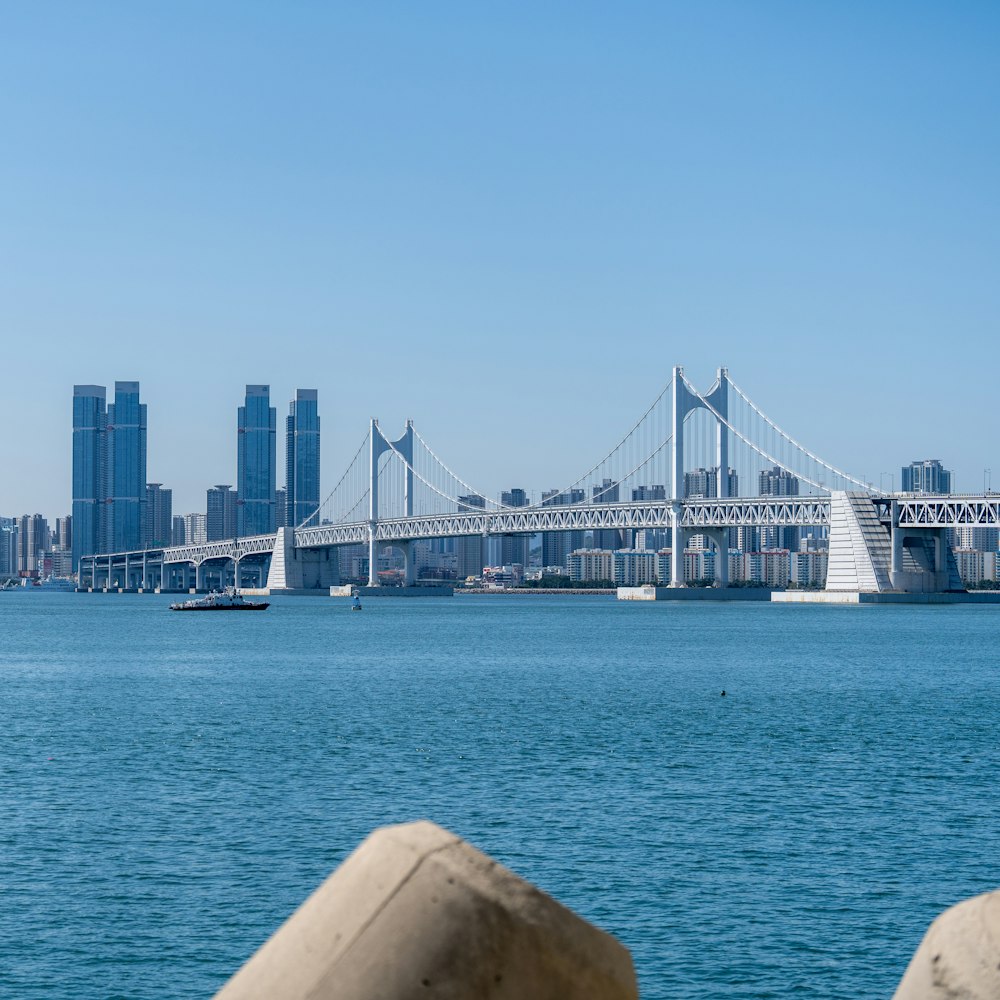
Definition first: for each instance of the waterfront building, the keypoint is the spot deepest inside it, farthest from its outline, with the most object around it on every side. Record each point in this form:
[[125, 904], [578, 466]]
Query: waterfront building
[[126, 465], [971, 566], [195, 529], [469, 555], [302, 458], [256, 462], [220, 512], [8, 548], [981, 539], [32, 542], [587, 565], [770, 568], [177, 531], [60, 563], [514, 548], [89, 470], [809, 567], [699, 564], [926, 476], [64, 533], [159, 516], [557, 545], [634, 569]]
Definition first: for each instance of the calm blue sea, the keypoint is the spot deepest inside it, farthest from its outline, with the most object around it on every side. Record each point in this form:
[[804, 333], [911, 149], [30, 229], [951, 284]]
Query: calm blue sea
[[172, 786]]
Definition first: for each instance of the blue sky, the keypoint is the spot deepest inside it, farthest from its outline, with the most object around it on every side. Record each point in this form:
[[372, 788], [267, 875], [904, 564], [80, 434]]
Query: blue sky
[[505, 221]]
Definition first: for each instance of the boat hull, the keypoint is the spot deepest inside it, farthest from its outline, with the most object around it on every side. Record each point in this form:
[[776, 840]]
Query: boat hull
[[236, 607]]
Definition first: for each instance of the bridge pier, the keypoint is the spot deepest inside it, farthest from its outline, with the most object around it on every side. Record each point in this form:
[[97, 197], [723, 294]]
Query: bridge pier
[[301, 569], [720, 539]]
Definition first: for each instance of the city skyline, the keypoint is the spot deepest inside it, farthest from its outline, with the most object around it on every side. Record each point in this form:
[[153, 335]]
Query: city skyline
[[888, 479], [473, 212]]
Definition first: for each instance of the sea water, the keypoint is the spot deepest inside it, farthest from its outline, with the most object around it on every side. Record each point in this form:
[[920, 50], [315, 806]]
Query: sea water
[[172, 786]]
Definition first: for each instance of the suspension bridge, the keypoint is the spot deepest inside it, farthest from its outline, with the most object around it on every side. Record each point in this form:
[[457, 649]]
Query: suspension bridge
[[679, 469]]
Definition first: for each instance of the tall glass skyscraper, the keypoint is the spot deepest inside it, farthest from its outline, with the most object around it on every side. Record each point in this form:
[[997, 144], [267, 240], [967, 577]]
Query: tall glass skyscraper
[[126, 506], [89, 470], [256, 462], [302, 457]]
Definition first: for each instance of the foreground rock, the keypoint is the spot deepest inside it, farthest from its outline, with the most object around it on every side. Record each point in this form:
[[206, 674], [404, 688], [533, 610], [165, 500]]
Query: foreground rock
[[417, 912]]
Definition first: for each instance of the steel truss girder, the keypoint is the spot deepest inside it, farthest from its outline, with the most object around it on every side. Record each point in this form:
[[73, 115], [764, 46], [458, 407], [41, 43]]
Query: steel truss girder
[[736, 513], [949, 512], [230, 548], [583, 517]]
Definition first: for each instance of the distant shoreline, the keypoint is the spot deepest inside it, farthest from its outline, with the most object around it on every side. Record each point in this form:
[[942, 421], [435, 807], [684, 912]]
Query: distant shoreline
[[548, 591]]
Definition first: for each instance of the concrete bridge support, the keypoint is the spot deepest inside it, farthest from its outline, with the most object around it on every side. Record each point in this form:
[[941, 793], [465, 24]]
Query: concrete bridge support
[[719, 537], [415, 911], [301, 569], [866, 556]]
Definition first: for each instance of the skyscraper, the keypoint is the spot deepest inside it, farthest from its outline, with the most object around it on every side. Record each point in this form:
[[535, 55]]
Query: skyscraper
[[606, 538], [89, 470], [32, 541], [281, 509], [256, 461], [8, 547], [514, 548], [778, 482], [220, 510], [64, 533], [927, 476], [302, 457], [557, 545], [159, 516], [704, 483], [126, 464], [469, 549]]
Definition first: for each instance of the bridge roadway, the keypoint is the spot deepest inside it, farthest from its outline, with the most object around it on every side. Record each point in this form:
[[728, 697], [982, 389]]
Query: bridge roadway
[[913, 512]]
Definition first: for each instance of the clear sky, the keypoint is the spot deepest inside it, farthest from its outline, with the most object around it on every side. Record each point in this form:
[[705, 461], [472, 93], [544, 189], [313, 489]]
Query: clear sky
[[507, 221]]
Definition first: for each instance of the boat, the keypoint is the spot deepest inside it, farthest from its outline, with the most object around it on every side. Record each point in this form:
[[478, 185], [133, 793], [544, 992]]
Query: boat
[[227, 600], [356, 603]]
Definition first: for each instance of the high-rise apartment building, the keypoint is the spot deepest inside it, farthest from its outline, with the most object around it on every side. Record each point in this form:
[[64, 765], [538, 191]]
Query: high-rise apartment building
[[302, 457], [514, 548], [177, 531], [469, 553], [64, 533], [194, 529], [281, 509], [645, 494], [606, 538], [778, 482], [557, 545], [32, 541], [927, 476], [220, 510], [704, 483], [256, 462], [8, 548], [126, 465], [89, 470], [159, 516]]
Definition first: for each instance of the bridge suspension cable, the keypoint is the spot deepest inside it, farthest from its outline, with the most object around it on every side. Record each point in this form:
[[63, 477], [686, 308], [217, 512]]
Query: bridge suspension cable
[[760, 451], [328, 501], [795, 444]]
